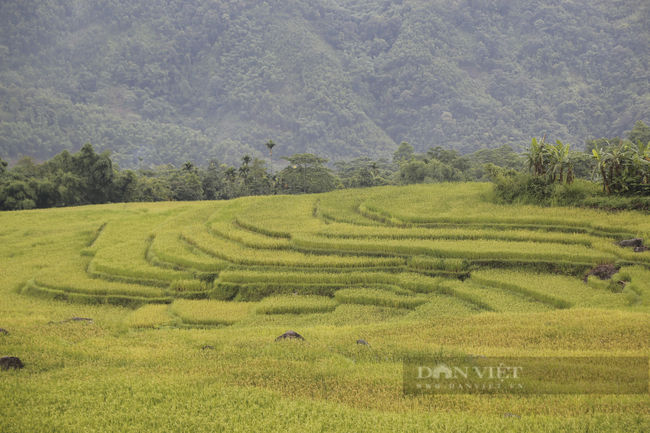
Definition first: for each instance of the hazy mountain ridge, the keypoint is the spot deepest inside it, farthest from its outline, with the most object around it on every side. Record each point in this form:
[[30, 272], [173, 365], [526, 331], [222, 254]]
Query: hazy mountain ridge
[[175, 81]]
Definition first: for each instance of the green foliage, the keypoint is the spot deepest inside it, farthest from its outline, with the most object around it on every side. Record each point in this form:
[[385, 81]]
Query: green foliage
[[306, 173], [623, 168]]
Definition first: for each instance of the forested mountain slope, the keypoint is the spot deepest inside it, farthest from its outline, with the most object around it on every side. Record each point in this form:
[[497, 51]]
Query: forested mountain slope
[[171, 81]]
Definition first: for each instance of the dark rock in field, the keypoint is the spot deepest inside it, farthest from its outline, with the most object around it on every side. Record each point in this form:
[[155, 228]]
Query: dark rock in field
[[77, 319], [636, 242], [363, 342], [511, 415], [640, 249], [3, 331], [208, 348], [604, 272], [7, 362], [290, 335]]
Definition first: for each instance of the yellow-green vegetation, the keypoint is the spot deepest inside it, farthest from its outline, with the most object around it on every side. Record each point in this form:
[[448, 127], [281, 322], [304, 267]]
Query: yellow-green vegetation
[[430, 269], [223, 223], [463, 249], [295, 304], [559, 290], [207, 312], [469, 204], [170, 247], [343, 207], [338, 230], [234, 252], [378, 297], [190, 286], [150, 316], [245, 276], [496, 299]]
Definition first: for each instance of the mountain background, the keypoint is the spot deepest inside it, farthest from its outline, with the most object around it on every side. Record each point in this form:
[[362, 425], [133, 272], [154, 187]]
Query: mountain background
[[167, 81]]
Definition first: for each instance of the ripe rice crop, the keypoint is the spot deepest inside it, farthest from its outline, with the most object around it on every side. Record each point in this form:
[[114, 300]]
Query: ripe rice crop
[[640, 283], [500, 300], [281, 216], [440, 305], [338, 230], [121, 249], [78, 282], [32, 289], [149, 316], [235, 253], [295, 304], [468, 203], [101, 376], [467, 250], [110, 263], [343, 207], [419, 283], [429, 264], [623, 253], [222, 223], [378, 297], [170, 248], [569, 291], [246, 277], [189, 286], [247, 238], [208, 312]]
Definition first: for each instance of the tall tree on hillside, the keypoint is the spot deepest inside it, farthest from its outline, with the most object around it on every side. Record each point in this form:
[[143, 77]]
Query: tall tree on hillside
[[641, 133], [270, 144], [3, 167], [230, 175], [244, 170], [97, 172], [404, 152]]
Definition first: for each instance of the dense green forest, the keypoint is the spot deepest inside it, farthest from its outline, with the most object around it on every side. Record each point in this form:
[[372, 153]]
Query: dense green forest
[[160, 82]]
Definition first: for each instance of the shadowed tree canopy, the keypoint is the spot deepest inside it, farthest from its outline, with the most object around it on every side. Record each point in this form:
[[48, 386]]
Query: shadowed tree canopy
[[308, 171]]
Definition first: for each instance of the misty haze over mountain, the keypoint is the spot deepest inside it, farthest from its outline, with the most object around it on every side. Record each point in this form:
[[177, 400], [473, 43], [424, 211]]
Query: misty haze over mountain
[[170, 81]]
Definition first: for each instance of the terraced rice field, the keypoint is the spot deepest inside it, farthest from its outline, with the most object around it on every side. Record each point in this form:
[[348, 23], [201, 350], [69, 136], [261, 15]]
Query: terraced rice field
[[391, 265]]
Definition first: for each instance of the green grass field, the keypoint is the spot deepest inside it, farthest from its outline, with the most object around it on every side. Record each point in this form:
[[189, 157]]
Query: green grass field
[[187, 299]]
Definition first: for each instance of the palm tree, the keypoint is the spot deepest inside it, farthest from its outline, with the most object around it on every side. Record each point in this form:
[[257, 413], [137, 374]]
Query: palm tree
[[230, 174], [246, 159], [561, 157], [245, 169], [535, 157], [270, 144], [642, 159], [603, 159], [188, 166]]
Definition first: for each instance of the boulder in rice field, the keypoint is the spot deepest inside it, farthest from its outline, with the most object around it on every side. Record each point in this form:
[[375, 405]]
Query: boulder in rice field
[[290, 335]]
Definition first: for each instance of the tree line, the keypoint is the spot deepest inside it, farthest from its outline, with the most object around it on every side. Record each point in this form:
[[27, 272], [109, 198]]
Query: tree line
[[87, 177], [544, 173]]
